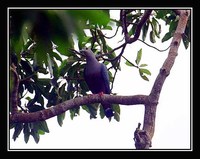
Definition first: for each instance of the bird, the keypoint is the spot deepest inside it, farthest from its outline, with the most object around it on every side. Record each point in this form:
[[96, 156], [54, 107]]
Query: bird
[[97, 79]]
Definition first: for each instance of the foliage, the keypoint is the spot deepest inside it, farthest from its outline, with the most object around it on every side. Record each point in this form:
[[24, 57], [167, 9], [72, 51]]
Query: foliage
[[40, 43]]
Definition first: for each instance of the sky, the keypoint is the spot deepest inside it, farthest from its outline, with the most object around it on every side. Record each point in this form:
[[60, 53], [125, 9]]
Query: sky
[[173, 116]]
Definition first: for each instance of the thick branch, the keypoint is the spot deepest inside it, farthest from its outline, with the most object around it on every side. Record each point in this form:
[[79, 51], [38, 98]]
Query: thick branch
[[150, 108], [143, 20], [62, 107], [173, 52], [14, 92]]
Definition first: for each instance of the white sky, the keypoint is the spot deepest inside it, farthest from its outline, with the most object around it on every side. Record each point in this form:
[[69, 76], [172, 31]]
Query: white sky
[[173, 112]]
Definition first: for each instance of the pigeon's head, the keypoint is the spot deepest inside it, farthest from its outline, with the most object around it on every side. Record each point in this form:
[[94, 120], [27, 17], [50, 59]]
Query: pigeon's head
[[87, 52]]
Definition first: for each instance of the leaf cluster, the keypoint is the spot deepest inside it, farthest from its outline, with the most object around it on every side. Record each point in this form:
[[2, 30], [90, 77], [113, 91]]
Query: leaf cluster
[[40, 43]]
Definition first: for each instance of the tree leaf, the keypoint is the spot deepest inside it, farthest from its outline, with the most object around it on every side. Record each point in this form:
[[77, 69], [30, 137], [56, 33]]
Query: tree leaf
[[145, 30], [60, 118], [27, 67], [107, 28], [40, 132], [145, 78], [62, 89], [186, 41], [117, 116], [56, 55], [17, 131], [152, 36], [74, 112], [173, 26], [92, 110], [116, 108], [35, 135], [167, 36], [132, 30], [139, 56], [143, 65], [128, 63], [142, 75], [143, 70], [101, 112], [27, 132], [156, 26], [50, 64], [41, 125], [99, 17]]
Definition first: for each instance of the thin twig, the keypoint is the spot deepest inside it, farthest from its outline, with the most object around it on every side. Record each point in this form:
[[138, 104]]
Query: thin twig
[[129, 62], [113, 35], [143, 20], [73, 78], [27, 78], [154, 46]]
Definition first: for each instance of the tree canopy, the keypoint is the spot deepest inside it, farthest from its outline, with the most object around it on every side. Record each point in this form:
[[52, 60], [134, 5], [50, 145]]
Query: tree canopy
[[46, 67]]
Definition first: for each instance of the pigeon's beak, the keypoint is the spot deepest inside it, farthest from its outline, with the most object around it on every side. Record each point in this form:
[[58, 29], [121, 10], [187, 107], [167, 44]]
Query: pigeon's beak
[[82, 52]]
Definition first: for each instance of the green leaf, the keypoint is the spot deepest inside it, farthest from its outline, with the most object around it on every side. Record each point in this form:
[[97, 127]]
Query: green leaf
[[155, 27], [56, 55], [35, 107], [35, 135], [128, 63], [29, 86], [84, 86], [142, 75], [62, 89], [66, 65], [101, 36], [60, 118], [117, 116], [99, 17], [55, 69], [101, 112], [145, 30], [41, 101], [43, 81], [41, 125], [161, 14], [139, 56], [116, 108], [143, 65], [152, 36], [40, 132], [142, 70], [17, 131], [92, 110], [27, 67], [173, 26], [84, 107], [132, 30], [28, 98], [74, 112], [50, 64], [107, 28], [186, 41], [167, 36], [16, 45], [27, 132]]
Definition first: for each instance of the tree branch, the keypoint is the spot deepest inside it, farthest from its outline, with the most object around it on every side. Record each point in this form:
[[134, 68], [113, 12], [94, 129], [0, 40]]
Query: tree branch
[[150, 108], [143, 20], [14, 91], [72, 103]]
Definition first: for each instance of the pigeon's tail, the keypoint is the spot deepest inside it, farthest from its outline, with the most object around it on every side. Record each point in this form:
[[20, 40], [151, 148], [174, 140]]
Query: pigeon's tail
[[107, 110]]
